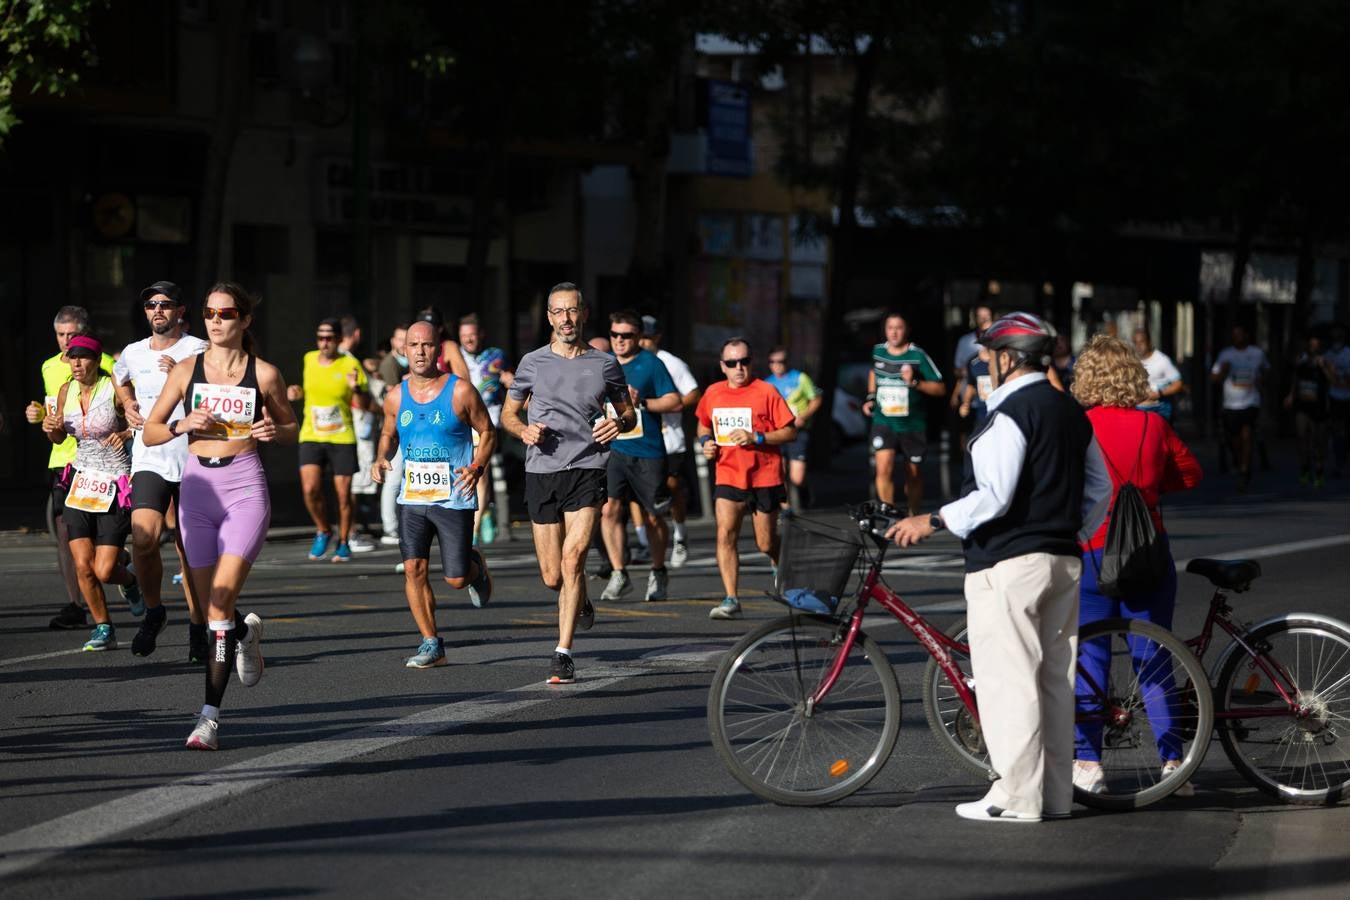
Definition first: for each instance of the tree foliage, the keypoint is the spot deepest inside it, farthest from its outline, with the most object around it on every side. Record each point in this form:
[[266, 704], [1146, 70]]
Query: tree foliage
[[45, 45]]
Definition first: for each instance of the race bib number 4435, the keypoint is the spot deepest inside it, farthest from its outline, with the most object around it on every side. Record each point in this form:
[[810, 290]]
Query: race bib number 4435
[[728, 419], [233, 407], [426, 482], [92, 491]]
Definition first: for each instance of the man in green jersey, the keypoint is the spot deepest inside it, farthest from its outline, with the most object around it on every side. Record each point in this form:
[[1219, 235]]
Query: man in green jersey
[[902, 375]]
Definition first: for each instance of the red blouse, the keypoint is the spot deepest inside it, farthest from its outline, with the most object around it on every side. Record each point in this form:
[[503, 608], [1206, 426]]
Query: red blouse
[[1165, 463]]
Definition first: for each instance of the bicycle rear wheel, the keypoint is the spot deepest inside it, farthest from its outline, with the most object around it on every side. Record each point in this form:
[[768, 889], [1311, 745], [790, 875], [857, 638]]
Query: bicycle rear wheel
[[1144, 698], [1302, 755], [956, 729], [778, 744]]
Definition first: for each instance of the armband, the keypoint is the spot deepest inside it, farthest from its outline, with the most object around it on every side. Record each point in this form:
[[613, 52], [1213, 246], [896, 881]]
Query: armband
[[759, 437], [870, 397]]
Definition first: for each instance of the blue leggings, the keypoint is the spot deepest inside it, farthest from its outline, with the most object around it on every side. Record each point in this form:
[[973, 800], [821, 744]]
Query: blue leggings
[[1155, 678]]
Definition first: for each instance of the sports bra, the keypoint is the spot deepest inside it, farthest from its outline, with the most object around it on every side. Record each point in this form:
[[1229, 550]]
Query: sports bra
[[249, 382]]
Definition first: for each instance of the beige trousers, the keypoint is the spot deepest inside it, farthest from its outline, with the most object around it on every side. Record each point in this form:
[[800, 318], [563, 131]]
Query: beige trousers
[[1022, 615]]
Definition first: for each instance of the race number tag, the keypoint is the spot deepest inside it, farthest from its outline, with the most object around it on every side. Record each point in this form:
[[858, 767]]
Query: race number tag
[[1243, 378], [50, 404], [1307, 390], [984, 386], [893, 399], [232, 405], [92, 491], [327, 419], [729, 419], [613, 413], [426, 482]]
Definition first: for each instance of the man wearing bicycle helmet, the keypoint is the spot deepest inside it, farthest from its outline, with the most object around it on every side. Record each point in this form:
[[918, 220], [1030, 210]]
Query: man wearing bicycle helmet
[[1035, 484]]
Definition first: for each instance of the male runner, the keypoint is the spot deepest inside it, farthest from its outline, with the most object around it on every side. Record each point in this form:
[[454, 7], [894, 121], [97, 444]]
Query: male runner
[[672, 432], [743, 423], [902, 375], [488, 373], [804, 399], [567, 448], [392, 370], [156, 472], [1164, 379], [1241, 369], [432, 418], [333, 382], [70, 321], [637, 467]]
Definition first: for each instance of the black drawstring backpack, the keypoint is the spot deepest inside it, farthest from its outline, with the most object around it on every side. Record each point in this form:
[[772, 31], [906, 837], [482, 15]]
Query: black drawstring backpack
[[1134, 559]]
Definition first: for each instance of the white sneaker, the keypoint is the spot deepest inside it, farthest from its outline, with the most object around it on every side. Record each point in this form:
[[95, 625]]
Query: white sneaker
[[1187, 789], [1088, 778], [984, 811], [360, 544], [679, 555], [387, 540], [656, 585], [203, 736], [248, 659], [619, 585]]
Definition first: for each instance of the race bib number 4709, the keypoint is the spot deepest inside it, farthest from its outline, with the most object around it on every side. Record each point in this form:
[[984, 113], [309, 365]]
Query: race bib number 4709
[[426, 482], [728, 419], [233, 407]]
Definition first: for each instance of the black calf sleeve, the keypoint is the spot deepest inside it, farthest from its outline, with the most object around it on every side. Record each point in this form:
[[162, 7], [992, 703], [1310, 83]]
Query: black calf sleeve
[[219, 664]]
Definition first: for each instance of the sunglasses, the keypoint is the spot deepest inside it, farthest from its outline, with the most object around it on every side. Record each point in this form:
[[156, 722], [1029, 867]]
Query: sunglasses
[[225, 314], [624, 335], [737, 362], [325, 337], [159, 304]]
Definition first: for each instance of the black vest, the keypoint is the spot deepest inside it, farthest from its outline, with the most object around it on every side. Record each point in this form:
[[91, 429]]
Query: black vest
[[1047, 506]]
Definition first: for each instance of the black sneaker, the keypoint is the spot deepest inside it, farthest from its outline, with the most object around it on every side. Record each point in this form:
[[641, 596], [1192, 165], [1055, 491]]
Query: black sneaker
[[69, 618], [562, 671], [197, 649], [143, 644], [585, 616]]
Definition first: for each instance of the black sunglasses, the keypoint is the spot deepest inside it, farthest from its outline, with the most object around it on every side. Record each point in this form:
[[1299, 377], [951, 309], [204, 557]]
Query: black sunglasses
[[624, 335], [225, 314], [159, 304], [737, 362]]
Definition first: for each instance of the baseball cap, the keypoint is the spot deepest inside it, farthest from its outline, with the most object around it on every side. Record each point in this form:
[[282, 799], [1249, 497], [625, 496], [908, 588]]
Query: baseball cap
[[167, 288], [431, 314], [651, 325], [84, 345]]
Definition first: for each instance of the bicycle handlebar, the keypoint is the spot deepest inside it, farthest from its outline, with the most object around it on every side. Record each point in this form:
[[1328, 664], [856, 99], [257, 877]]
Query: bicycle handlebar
[[874, 518]]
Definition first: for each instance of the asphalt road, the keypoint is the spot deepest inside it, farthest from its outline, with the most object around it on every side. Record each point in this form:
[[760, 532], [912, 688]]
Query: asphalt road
[[344, 774]]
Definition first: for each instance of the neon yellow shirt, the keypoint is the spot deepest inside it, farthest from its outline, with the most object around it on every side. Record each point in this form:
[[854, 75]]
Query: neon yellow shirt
[[328, 399], [56, 372]]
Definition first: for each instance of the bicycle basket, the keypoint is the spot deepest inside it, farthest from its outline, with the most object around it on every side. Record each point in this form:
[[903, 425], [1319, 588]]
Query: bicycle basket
[[815, 563]]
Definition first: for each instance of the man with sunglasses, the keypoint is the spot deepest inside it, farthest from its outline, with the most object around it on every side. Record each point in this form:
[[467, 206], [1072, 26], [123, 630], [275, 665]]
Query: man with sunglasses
[[743, 423], [333, 383], [637, 465], [578, 404], [156, 472]]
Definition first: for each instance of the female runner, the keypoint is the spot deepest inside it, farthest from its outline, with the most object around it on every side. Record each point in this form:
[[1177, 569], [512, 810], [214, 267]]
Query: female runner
[[235, 400]]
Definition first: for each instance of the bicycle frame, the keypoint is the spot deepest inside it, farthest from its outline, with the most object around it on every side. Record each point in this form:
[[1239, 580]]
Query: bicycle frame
[[1221, 614]]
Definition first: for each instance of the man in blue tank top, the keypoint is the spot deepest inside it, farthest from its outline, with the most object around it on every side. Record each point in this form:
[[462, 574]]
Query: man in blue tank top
[[432, 417]]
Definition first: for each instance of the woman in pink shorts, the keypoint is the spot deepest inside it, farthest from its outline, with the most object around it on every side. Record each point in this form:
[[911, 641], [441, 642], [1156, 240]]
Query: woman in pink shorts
[[233, 400]]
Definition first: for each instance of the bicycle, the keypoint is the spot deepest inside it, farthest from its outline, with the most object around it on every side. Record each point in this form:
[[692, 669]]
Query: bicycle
[[1281, 689], [805, 710]]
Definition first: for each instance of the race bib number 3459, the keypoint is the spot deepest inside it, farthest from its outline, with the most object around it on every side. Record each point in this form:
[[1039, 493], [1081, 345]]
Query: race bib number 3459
[[728, 419], [92, 491], [233, 407]]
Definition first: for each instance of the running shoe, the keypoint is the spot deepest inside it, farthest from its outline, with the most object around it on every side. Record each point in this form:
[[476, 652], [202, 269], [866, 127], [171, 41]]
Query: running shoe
[[388, 540], [103, 637], [320, 545], [343, 553], [585, 616], [642, 554], [203, 736], [430, 654], [480, 590], [69, 618], [132, 594], [143, 642], [619, 585], [248, 659], [361, 544], [730, 608], [1187, 789], [984, 811], [400, 569], [487, 527], [656, 584], [197, 645], [679, 555], [562, 671], [1088, 778]]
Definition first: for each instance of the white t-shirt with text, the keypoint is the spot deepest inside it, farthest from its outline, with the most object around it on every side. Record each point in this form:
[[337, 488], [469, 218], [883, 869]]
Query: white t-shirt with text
[[139, 364], [1245, 368]]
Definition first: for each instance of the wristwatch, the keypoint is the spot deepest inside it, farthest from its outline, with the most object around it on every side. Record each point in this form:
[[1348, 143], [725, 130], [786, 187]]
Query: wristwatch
[[935, 522]]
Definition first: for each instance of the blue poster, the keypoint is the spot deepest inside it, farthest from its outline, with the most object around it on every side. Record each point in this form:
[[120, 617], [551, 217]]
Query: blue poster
[[728, 130]]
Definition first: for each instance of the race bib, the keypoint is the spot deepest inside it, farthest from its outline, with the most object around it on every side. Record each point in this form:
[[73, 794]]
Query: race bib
[[327, 419], [729, 419], [984, 386], [50, 404], [1243, 378], [92, 491], [1307, 391], [893, 400], [613, 413], [426, 482], [232, 405]]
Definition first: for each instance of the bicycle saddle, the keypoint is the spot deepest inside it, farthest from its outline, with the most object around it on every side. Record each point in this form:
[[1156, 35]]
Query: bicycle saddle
[[1234, 574]]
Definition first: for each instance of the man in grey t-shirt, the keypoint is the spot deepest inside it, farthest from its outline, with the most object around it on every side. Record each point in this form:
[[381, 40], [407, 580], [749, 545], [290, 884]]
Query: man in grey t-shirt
[[578, 401]]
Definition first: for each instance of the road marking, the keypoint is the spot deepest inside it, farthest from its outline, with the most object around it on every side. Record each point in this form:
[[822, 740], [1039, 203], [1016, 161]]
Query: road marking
[[1267, 550], [34, 658], [133, 813]]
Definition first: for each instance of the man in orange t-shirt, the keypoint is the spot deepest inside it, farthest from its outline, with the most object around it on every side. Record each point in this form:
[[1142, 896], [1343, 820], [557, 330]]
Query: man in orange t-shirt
[[741, 423]]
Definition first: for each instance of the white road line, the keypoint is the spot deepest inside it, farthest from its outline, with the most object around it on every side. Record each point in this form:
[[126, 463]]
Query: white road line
[[55, 653], [1334, 540], [28, 847]]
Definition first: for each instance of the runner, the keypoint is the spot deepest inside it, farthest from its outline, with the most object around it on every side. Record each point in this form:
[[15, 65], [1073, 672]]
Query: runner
[[97, 484], [69, 321], [978, 386], [672, 432], [1309, 398], [432, 418], [637, 465], [901, 376], [157, 471], [488, 373], [366, 425], [742, 424], [237, 400], [1164, 378], [392, 370], [333, 382], [967, 349], [1241, 369], [804, 399], [567, 448], [450, 360]]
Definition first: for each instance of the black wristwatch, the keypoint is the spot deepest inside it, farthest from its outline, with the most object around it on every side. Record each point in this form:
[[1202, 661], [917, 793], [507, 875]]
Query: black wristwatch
[[935, 522]]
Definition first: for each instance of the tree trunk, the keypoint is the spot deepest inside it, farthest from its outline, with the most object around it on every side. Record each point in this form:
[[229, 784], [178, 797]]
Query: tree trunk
[[231, 89], [845, 239]]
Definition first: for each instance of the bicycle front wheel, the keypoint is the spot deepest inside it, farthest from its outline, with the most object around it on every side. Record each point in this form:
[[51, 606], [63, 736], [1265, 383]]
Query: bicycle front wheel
[[1143, 700], [1299, 751], [957, 729], [778, 743]]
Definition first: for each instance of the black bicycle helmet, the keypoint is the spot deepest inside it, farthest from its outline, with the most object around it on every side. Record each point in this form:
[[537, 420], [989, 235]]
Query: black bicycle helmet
[[1024, 333]]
